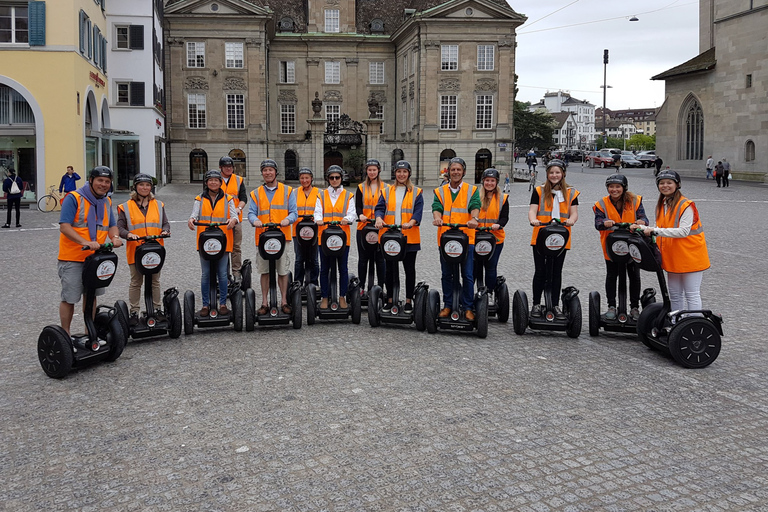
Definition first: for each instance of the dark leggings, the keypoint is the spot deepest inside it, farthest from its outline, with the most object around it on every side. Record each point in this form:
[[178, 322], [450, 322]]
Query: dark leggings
[[362, 262], [14, 203], [409, 263], [611, 278], [540, 275]]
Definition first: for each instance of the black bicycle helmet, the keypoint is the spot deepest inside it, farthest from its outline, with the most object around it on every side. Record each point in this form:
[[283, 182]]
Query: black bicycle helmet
[[556, 162], [269, 163], [404, 164], [334, 169], [101, 171], [491, 173], [213, 173], [306, 170], [371, 162], [457, 160], [668, 174], [617, 179], [142, 178], [225, 160]]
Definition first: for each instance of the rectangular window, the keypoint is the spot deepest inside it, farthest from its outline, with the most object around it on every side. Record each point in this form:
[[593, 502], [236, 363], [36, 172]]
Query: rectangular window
[[380, 115], [130, 93], [449, 57], [195, 55], [413, 63], [196, 109], [123, 93], [749, 81], [405, 66], [14, 24], [121, 38], [485, 57], [448, 112], [413, 112], [332, 113], [404, 122], [96, 45], [376, 72], [332, 72], [484, 120], [287, 72], [235, 111], [287, 118], [332, 20], [234, 55]]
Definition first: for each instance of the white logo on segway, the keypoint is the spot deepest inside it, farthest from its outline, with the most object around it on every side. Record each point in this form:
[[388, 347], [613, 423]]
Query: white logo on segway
[[150, 260], [372, 238], [392, 248], [334, 242], [106, 270], [212, 246], [483, 248], [272, 246], [620, 248], [555, 242], [306, 233], [635, 253], [453, 249]]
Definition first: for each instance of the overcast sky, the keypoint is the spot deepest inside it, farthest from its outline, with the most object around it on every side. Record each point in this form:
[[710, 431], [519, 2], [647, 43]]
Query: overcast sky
[[570, 55]]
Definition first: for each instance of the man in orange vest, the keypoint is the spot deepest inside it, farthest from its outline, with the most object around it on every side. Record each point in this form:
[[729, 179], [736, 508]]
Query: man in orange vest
[[306, 198], [86, 220], [234, 185], [273, 202]]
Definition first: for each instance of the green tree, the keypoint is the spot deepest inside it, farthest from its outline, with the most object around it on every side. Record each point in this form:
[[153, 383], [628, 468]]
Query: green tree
[[355, 160], [641, 142], [532, 129]]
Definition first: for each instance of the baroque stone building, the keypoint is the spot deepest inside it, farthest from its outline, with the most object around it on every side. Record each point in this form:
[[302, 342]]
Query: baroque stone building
[[320, 82]]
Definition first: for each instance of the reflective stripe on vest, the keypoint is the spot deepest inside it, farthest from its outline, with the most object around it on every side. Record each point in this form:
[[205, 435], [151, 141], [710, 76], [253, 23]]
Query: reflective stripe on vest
[[369, 202], [456, 212], [219, 213], [628, 214], [151, 224], [545, 216], [274, 211], [227, 188], [493, 209], [412, 235], [331, 212], [73, 251], [683, 255]]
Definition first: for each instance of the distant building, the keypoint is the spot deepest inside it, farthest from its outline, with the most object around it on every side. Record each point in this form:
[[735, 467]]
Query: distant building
[[564, 135], [716, 102], [644, 119], [583, 114]]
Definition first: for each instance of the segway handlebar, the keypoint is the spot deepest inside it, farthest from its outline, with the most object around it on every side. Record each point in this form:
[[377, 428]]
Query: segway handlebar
[[148, 237], [336, 223], [209, 224], [103, 247], [267, 225], [454, 225]]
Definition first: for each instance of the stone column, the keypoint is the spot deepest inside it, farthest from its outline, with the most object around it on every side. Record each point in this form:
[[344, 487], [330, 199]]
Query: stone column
[[317, 126], [374, 138]]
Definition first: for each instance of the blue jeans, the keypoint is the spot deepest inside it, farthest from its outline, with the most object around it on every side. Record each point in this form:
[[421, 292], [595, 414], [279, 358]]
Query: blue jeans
[[468, 281], [489, 268], [298, 268], [221, 274], [343, 274]]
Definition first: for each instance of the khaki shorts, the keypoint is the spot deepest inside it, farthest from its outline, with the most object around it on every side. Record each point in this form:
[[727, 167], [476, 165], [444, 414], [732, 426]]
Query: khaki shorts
[[71, 275], [284, 264]]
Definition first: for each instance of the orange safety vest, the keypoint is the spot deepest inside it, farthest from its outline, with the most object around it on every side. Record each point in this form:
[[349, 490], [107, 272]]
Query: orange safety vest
[[232, 187], [369, 202], [456, 211], [412, 235], [275, 211], [73, 251], [141, 225], [681, 255], [335, 211], [218, 214], [305, 204], [628, 214], [490, 216], [544, 213]]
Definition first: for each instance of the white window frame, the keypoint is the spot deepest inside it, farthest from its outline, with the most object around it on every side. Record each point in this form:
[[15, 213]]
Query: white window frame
[[198, 118], [195, 54], [376, 72], [13, 25], [288, 119], [235, 111], [449, 57], [332, 113], [484, 112], [287, 72], [405, 65], [449, 104], [380, 115], [486, 55], [413, 111], [331, 21], [405, 117], [234, 55], [119, 44], [123, 88], [332, 72]]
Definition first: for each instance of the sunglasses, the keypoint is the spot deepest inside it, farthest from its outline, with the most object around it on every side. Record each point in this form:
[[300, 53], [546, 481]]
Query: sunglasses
[[334, 177]]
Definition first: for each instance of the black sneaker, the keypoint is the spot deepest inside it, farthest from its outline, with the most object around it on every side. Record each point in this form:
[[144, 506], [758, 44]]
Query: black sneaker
[[133, 320], [408, 308], [536, 310], [387, 306], [559, 313]]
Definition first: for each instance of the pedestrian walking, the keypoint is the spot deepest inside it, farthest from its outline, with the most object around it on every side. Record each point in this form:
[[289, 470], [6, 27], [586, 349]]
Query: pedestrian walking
[[658, 163], [13, 186], [726, 173], [68, 182], [506, 184], [710, 167], [719, 169]]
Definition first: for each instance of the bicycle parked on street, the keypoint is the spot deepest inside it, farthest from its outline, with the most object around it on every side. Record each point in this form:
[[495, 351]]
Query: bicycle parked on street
[[50, 201]]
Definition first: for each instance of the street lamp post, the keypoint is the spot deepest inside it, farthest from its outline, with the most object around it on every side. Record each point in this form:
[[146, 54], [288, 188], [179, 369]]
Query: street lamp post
[[605, 88]]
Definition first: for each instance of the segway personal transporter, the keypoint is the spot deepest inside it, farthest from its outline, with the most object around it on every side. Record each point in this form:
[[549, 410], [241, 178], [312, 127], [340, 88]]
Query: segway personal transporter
[[454, 248], [213, 247], [332, 243], [150, 258], [692, 338], [550, 242], [617, 247], [306, 238], [106, 334], [393, 245], [271, 247], [485, 247], [371, 247]]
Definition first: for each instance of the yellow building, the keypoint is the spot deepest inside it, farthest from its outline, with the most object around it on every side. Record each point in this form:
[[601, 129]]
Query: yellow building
[[53, 89]]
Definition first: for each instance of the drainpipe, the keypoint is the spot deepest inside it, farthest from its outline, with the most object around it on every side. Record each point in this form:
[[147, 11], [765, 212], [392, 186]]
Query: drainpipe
[[418, 109]]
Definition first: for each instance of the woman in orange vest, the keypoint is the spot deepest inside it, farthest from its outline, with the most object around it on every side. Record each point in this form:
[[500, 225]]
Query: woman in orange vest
[[142, 215], [366, 199], [494, 214], [681, 241], [620, 205], [554, 200], [403, 204], [213, 205], [306, 199]]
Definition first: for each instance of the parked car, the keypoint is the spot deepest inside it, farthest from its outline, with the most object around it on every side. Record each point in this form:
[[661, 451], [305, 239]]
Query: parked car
[[628, 160], [575, 155], [646, 158], [602, 158]]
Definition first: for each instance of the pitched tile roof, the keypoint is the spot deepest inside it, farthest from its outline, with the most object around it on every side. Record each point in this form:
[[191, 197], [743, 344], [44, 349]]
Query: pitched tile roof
[[702, 62]]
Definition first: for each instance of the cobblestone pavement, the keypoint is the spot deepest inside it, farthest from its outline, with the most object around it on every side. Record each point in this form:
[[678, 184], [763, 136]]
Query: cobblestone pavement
[[341, 417]]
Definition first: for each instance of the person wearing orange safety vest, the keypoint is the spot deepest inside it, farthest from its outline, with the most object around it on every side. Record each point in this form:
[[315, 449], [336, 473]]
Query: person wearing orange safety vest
[[681, 242], [234, 185], [306, 199], [142, 215], [457, 202], [334, 204], [554, 200], [620, 205], [403, 204], [214, 206], [494, 214], [86, 220], [273, 202], [366, 199]]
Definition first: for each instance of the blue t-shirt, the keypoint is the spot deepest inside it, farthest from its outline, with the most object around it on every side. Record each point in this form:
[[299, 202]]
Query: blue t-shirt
[[68, 182], [69, 209]]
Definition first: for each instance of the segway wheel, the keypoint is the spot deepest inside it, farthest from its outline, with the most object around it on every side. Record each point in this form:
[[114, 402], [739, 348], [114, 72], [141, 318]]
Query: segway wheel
[[116, 337], [237, 310], [245, 275], [574, 318], [311, 303], [54, 349], [502, 303], [122, 312], [694, 343], [174, 314], [374, 298], [296, 307], [250, 309], [646, 321], [189, 312], [481, 316], [594, 314], [519, 312], [420, 309], [432, 311], [355, 303]]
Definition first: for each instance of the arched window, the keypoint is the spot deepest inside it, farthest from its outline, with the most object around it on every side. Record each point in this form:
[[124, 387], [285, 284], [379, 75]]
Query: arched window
[[482, 162], [397, 155], [238, 158], [692, 130], [291, 165], [749, 151], [445, 158], [198, 164]]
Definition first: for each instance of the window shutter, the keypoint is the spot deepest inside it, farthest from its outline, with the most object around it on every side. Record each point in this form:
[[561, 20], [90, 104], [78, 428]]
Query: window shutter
[[36, 23], [137, 94], [136, 37], [104, 55]]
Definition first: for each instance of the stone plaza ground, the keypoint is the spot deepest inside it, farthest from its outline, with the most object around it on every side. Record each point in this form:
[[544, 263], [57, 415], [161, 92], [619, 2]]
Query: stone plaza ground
[[342, 417]]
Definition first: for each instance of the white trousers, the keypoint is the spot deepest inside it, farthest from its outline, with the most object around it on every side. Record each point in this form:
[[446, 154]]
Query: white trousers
[[685, 288]]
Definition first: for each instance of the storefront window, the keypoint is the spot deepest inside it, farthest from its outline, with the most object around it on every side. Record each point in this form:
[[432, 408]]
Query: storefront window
[[126, 162]]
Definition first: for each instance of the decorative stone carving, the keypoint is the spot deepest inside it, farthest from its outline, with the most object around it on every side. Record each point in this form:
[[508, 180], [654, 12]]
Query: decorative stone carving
[[449, 84], [506, 43], [373, 107], [313, 62], [431, 44], [251, 42], [317, 105], [411, 89], [333, 96], [175, 41], [379, 96], [332, 2], [196, 83], [287, 96], [404, 94], [351, 61], [234, 84], [487, 85]]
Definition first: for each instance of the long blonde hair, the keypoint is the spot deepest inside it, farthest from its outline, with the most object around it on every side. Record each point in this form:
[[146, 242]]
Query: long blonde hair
[[670, 201], [135, 196], [488, 196], [547, 190]]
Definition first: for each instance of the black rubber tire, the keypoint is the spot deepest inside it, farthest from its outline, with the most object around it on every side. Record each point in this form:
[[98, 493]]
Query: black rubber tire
[[519, 312], [481, 316], [602, 165], [574, 316], [189, 312], [433, 309], [117, 338], [694, 343], [355, 303], [175, 319], [246, 272], [374, 298], [645, 323], [250, 309], [237, 310], [296, 311], [502, 303], [311, 304], [47, 203], [594, 314], [54, 350], [122, 312], [419, 309]]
